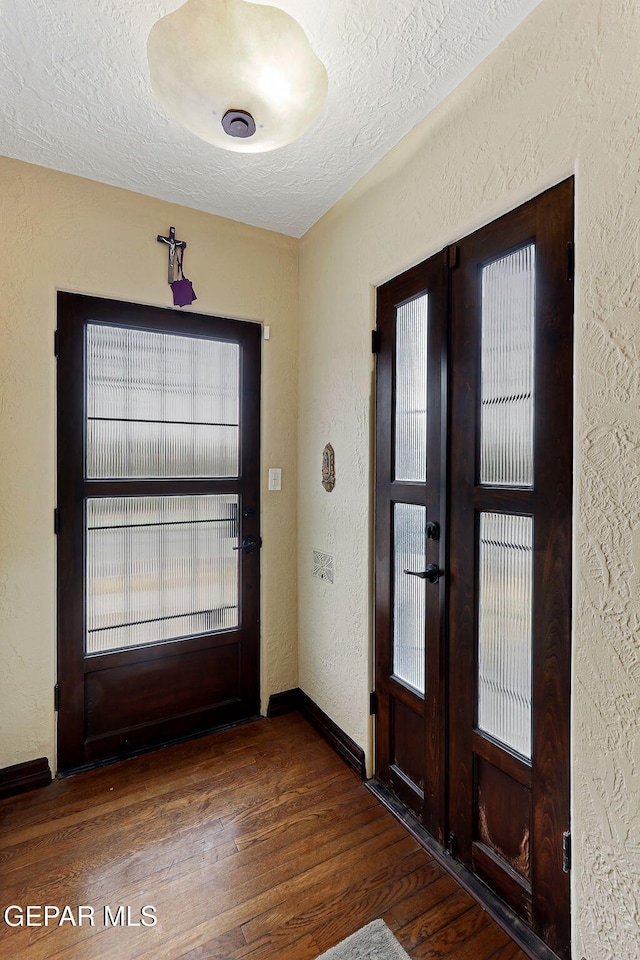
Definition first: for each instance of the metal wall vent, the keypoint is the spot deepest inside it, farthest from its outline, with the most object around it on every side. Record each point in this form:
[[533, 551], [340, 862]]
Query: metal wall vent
[[323, 566]]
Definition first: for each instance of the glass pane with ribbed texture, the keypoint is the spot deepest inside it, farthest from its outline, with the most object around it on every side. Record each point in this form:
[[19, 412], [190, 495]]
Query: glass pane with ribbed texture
[[160, 405], [411, 390], [159, 568], [409, 601], [504, 629], [507, 356]]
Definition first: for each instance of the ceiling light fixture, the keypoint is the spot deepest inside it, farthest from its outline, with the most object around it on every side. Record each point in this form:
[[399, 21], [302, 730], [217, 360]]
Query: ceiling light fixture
[[240, 75]]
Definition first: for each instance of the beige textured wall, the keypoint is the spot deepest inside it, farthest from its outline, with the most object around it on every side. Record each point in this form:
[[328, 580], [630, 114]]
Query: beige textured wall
[[560, 96], [73, 234]]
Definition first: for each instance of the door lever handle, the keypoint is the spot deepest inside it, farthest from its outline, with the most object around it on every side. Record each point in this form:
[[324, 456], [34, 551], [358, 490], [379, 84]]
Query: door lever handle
[[430, 573], [248, 544]]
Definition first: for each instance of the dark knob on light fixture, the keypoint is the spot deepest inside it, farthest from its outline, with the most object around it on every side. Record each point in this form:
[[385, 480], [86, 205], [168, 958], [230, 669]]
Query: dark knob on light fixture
[[238, 123]]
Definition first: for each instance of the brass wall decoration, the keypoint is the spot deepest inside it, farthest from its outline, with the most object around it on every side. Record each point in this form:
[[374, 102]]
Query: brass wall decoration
[[328, 468]]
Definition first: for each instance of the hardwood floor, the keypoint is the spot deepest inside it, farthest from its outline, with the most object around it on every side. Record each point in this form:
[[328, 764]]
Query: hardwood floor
[[255, 843]]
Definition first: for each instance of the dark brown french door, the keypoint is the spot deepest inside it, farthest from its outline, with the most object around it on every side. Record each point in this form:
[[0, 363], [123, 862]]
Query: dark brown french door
[[158, 526], [473, 553], [410, 539]]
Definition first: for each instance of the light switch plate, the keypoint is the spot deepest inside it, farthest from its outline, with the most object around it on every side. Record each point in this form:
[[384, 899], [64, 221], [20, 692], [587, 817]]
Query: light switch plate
[[275, 478]]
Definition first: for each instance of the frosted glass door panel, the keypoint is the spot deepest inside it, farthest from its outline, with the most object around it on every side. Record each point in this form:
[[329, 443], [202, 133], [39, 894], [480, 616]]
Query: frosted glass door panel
[[504, 629], [409, 601], [507, 363], [160, 405], [159, 568], [411, 390]]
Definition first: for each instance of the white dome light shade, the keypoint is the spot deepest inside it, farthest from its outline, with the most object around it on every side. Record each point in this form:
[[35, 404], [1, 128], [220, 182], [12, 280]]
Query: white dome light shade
[[216, 57]]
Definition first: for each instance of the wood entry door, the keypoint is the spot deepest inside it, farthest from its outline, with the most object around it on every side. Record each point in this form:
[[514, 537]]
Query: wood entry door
[[502, 660], [410, 539], [158, 526]]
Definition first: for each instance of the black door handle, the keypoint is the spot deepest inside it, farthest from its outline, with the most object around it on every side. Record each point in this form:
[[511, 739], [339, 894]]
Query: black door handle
[[248, 544], [430, 573]]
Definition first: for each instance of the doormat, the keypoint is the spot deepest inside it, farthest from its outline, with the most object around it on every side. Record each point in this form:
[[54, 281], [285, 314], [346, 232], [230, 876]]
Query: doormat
[[373, 942]]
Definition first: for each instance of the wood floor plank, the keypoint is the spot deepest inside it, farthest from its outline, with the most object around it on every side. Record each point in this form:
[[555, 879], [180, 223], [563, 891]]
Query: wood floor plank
[[273, 931], [367, 900], [257, 843], [447, 903], [226, 945], [109, 789], [342, 892], [510, 951], [472, 934], [303, 949], [306, 820], [224, 898], [415, 906]]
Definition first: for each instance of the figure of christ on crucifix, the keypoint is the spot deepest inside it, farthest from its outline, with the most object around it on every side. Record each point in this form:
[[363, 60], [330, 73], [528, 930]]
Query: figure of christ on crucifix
[[173, 245]]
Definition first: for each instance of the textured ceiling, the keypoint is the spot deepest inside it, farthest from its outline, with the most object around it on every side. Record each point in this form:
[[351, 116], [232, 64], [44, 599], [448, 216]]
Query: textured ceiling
[[76, 97]]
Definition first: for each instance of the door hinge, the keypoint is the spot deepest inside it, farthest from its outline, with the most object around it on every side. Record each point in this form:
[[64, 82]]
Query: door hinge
[[56, 697], [451, 845], [373, 703], [56, 521], [566, 851], [570, 261], [375, 341], [56, 344]]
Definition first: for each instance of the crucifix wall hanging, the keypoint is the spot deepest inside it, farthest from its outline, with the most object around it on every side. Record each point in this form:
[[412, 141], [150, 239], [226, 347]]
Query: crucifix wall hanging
[[181, 287]]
